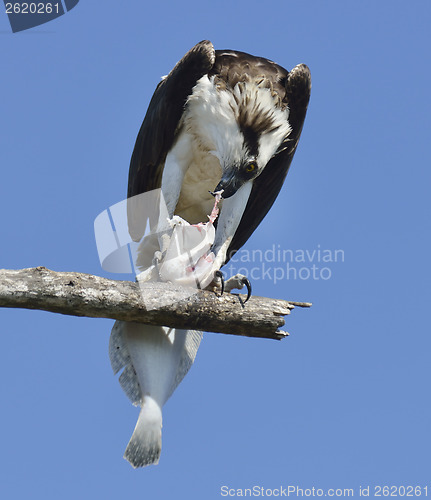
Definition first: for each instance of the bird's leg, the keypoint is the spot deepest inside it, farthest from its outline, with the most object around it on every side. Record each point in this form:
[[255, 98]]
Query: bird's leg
[[229, 219], [237, 282]]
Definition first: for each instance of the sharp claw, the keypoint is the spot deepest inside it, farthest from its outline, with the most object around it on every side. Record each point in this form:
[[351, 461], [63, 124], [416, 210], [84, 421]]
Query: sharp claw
[[219, 274], [247, 283]]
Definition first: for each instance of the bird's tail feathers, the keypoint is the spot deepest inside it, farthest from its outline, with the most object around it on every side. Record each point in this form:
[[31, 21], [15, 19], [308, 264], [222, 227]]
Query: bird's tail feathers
[[145, 444]]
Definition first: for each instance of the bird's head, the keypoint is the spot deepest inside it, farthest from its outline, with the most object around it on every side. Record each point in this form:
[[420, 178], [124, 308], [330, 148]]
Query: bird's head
[[237, 174], [254, 132]]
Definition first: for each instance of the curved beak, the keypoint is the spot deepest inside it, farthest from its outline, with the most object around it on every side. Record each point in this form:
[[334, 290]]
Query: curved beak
[[229, 183]]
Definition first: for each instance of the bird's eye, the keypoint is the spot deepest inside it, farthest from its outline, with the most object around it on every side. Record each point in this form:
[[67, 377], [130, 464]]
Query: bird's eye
[[250, 167]]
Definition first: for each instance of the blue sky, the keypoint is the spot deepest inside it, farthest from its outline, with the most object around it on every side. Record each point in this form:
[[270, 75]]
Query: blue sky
[[344, 401]]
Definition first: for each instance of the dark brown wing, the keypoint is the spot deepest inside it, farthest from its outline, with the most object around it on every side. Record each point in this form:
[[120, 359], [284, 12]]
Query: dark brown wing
[[297, 87], [158, 129]]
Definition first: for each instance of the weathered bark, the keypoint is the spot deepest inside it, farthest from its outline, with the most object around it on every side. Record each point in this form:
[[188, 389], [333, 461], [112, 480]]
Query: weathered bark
[[79, 294]]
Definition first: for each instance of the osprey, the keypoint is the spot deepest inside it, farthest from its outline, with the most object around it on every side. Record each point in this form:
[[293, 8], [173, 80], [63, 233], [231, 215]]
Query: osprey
[[221, 121]]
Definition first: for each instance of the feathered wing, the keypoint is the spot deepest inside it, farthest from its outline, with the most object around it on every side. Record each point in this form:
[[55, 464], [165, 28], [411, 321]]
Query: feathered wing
[[154, 361], [158, 131]]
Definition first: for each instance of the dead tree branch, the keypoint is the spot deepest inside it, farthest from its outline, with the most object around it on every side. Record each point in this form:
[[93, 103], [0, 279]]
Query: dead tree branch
[[79, 294]]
